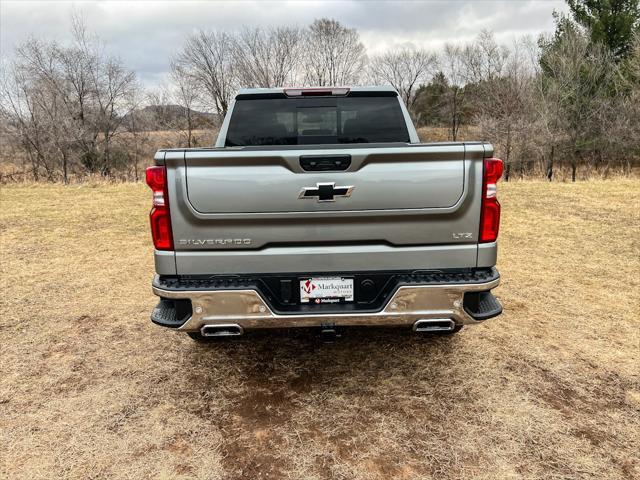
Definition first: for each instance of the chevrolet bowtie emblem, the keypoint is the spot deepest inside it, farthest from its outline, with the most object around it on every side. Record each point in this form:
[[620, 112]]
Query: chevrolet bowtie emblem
[[326, 192]]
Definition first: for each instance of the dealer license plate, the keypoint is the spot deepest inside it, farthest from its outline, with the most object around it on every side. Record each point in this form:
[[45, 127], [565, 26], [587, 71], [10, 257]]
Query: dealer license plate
[[326, 290]]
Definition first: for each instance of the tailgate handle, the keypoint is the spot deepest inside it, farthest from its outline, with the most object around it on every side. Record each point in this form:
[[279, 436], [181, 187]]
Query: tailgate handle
[[324, 163]]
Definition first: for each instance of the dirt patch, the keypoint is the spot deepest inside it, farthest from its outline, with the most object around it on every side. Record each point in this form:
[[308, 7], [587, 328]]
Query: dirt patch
[[263, 408]]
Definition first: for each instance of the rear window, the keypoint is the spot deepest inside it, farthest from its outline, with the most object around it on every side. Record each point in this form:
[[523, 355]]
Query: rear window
[[316, 121]]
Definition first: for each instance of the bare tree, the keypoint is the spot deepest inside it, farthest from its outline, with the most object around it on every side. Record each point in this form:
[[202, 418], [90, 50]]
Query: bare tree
[[160, 113], [334, 54], [466, 67], [483, 59], [207, 57], [22, 111], [456, 73], [505, 102], [186, 93], [268, 58], [547, 108], [112, 86], [136, 141], [625, 137], [578, 78], [404, 69], [44, 86], [67, 103]]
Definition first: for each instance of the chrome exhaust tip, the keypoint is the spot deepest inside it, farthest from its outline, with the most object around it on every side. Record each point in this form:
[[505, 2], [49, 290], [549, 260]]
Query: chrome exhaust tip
[[434, 325], [227, 330]]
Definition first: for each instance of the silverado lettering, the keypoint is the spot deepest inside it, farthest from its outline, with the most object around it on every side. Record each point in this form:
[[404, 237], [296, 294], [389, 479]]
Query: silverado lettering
[[215, 241]]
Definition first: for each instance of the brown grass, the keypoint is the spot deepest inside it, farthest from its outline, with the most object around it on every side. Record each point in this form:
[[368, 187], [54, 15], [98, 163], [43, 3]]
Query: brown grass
[[89, 388]]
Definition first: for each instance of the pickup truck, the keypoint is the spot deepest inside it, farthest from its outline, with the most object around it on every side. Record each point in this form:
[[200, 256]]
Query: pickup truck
[[320, 207]]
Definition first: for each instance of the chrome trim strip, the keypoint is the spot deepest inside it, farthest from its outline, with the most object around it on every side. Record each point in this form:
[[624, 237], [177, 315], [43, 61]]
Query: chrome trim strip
[[247, 308]]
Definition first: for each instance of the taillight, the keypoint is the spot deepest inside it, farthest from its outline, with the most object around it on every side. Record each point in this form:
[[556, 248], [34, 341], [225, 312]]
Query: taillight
[[159, 216], [490, 214]]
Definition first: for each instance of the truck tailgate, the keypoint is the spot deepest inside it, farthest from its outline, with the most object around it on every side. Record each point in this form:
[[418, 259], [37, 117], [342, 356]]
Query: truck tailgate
[[423, 199], [377, 179]]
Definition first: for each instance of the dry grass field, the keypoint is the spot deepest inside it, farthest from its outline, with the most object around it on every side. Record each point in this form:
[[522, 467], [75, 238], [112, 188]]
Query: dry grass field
[[89, 388]]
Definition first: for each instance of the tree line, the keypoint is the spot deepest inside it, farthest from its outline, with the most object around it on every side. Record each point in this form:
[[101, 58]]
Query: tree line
[[563, 106]]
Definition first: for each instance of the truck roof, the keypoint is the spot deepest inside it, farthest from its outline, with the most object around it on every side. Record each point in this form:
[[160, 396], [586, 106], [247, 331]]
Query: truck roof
[[262, 91]]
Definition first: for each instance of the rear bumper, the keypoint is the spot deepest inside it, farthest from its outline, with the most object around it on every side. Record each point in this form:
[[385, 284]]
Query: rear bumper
[[463, 298]]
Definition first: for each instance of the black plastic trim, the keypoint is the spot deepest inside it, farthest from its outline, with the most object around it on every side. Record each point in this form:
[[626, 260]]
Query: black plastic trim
[[171, 313], [365, 93], [258, 96], [324, 163], [481, 305]]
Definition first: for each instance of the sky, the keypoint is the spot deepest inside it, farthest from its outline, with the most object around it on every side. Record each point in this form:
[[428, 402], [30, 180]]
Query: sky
[[145, 34]]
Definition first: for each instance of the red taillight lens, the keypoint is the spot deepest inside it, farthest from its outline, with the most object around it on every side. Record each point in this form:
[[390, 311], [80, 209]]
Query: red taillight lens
[[159, 216], [490, 214]]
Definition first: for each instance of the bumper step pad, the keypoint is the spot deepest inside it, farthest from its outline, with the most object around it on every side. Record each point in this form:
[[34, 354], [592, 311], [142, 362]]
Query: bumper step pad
[[171, 313], [482, 305]]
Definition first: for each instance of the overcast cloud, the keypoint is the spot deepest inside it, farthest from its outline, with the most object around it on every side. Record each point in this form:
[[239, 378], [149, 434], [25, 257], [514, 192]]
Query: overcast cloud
[[146, 33]]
